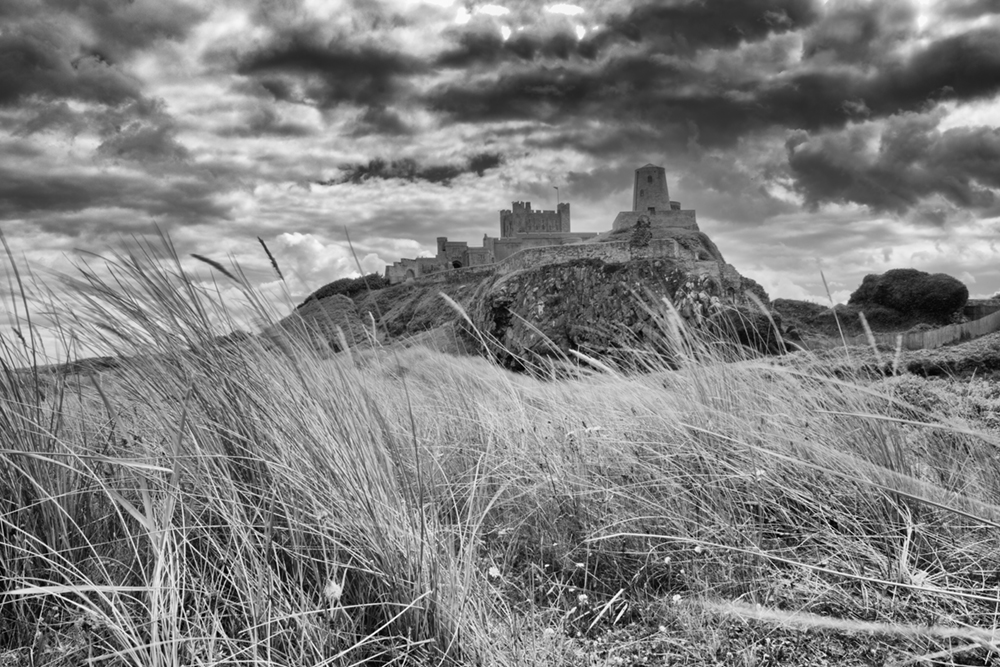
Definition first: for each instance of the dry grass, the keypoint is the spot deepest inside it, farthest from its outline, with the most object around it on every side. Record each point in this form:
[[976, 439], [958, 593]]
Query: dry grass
[[271, 504]]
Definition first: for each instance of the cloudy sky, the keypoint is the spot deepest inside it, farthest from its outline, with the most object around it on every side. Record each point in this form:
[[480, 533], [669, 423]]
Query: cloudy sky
[[856, 136]]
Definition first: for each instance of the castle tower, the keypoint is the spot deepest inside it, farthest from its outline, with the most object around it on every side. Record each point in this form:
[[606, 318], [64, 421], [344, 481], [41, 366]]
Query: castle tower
[[563, 212], [650, 194]]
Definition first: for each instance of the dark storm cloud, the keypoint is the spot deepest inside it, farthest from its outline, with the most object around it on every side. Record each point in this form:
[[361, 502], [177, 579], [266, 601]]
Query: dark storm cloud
[[57, 52], [715, 24], [299, 66], [37, 196], [71, 50], [851, 69], [32, 64], [123, 27], [410, 170], [676, 29], [859, 33], [913, 161]]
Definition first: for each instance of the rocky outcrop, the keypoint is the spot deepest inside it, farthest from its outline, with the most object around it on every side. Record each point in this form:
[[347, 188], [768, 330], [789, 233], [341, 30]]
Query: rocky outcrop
[[606, 308]]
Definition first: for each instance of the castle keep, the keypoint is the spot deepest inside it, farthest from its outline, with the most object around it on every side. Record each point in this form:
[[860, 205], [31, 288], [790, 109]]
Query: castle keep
[[650, 197], [522, 228]]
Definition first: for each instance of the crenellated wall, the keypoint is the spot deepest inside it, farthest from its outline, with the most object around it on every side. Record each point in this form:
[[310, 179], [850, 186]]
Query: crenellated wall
[[521, 219]]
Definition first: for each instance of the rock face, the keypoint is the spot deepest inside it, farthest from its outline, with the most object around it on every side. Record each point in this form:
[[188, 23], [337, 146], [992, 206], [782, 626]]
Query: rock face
[[912, 293], [606, 308]]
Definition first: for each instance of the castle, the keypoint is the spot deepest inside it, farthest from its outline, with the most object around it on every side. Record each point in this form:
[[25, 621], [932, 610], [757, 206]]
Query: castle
[[522, 228]]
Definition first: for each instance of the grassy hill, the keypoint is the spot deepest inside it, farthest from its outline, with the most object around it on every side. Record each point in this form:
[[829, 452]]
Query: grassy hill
[[253, 504]]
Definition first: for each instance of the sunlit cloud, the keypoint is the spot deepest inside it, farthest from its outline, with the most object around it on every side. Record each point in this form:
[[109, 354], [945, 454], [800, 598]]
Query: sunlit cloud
[[463, 16], [564, 8], [581, 32], [493, 10], [505, 32]]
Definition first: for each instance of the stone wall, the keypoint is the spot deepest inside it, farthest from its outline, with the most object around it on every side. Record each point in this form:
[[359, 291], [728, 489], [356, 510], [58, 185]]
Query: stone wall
[[684, 219], [505, 247], [411, 269], [607, 252], [459, 275]]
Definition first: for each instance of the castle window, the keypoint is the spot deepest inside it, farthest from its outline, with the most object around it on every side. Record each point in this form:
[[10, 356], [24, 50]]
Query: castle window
[[642, 193], [649, 179], [652, 209]]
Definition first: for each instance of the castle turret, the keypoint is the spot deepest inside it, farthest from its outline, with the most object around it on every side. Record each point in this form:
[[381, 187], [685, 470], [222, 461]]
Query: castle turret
[[650, 194], [563, 211]]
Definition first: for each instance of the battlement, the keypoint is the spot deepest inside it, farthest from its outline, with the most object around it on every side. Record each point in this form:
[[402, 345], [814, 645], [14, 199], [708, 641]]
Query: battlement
[[521, 219]]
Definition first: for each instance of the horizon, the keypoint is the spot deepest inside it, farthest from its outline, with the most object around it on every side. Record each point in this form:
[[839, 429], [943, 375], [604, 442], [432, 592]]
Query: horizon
[[848, 137]]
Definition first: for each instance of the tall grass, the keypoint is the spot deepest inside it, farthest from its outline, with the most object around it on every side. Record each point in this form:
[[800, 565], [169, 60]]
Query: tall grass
[[266, 502]]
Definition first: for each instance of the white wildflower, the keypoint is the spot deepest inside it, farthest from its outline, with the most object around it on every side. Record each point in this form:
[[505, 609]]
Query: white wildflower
[[333, 591], [666, 561], [676, 598], [493, 572], [698, 549], [579, 564], [582, 598]]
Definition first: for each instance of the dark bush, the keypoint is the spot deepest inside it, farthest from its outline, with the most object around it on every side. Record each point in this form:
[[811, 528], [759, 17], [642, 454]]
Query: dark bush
[[748, 327], [349, 287], [913, 293]]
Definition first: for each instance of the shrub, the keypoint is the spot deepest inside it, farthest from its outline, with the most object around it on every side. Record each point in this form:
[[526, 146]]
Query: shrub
[[912, 292]]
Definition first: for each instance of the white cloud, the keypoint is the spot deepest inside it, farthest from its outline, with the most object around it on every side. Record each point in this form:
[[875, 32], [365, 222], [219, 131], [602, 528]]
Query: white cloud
[[581, 32], [567, 9], [492, 10], [313, 263]]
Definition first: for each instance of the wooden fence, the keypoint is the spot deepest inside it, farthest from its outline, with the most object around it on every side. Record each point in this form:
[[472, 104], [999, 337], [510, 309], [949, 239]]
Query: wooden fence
[[953, 333]]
